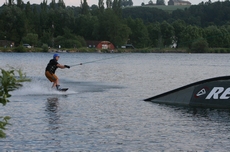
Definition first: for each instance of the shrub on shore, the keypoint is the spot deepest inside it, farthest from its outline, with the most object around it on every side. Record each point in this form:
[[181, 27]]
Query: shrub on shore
[[8, 82], [45, 48], [19, 48]]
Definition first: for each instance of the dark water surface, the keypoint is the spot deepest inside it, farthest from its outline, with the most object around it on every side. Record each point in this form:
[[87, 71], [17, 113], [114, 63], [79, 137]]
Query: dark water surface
[[103, 110]]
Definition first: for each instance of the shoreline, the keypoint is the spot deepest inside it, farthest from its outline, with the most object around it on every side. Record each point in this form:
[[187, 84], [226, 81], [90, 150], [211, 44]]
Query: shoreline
[[120, 50], [93, 50]]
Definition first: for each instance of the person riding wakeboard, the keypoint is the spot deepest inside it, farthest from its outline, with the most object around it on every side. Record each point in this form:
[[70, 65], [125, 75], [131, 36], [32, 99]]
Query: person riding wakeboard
[[51, 68]]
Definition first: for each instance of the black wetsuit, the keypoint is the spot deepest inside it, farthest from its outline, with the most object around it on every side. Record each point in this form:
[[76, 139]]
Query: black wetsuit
[[52, 66]]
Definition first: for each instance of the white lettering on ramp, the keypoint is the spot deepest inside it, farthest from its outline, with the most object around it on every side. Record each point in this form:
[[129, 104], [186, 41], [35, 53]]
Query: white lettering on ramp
[[215, 93], [224, 95]]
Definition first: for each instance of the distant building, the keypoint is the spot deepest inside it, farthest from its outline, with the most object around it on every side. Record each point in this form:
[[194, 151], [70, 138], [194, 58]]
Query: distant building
[[105, 45], [5, 43], [178, 2]]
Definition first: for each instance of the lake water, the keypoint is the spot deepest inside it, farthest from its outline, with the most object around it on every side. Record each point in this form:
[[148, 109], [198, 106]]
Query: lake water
[[103, 110]]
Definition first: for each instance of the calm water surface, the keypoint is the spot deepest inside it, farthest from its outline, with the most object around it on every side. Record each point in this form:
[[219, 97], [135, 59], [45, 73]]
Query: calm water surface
[[103, 110]]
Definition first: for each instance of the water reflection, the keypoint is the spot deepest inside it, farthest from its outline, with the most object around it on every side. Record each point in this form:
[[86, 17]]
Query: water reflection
[[54, 122], [205, 114], [52, 104], [52, 109]]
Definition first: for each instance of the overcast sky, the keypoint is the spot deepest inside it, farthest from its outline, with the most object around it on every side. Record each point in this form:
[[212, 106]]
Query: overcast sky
[[91, 2]]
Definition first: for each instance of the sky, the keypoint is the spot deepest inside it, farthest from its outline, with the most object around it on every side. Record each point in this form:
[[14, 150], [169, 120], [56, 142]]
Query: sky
[[91, 2]]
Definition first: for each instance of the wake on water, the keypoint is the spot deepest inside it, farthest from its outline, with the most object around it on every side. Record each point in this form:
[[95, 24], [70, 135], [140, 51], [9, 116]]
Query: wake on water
[[38, 87]]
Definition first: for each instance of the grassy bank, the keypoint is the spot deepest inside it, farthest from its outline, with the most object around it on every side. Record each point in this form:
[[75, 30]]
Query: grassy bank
[[93, 50]]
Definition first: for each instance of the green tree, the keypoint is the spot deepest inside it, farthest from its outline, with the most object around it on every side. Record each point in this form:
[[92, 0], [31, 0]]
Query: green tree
[[3, 123], [11, 2], [58, 20], [69, 40], [167, 33], [126, 3], [139, 36], [199, 46], [150, 2], [94, 7], [109, 3], [179, 26], [213, 36], [31, 39], [8, 82], [130, 2], [44, 5], [46, 38], [61, 4], [45, 47], [14, 23], [225, 36], [111, 28], [101, 5], [20, 4], [86, 26], [118, 33], [189, 35], [147, 14], [160, 2], [44, 25], [35, 22], [84, 7], [117, 7], [28, 10], [154, 32], [53, 4]]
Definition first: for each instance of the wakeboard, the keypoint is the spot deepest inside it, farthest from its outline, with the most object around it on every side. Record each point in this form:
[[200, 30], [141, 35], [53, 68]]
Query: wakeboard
[[63, 89]]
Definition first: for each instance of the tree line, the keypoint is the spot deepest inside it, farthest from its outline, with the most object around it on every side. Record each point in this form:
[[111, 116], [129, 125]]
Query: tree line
[[197, 27]]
